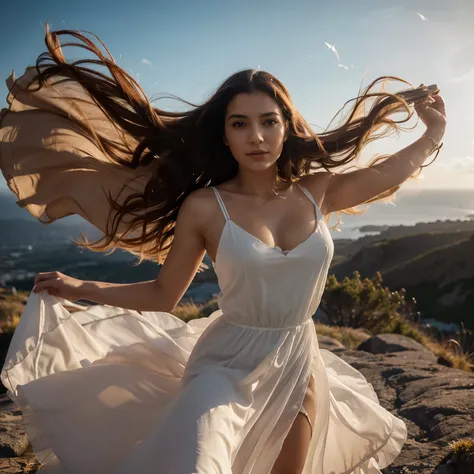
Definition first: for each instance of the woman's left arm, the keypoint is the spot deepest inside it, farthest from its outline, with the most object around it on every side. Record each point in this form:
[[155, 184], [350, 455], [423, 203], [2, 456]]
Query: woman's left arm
[[345, 190]]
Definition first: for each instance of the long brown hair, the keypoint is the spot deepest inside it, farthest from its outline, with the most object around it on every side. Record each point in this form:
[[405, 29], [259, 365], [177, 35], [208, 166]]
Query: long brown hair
[[186, 149]]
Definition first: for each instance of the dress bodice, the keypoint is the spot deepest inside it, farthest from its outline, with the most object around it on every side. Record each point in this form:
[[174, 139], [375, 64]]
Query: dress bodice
[[264, 286]]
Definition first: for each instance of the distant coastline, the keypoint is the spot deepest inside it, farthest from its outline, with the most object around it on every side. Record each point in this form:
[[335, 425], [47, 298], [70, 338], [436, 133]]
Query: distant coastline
[[378, 232], [438, 225]]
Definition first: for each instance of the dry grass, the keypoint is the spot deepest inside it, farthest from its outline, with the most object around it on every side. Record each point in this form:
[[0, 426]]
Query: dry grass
[[451, 358], [9, 325], [465, 445], [188, 311], [350, 337], [11, 307], [462, 454], [448, 353]]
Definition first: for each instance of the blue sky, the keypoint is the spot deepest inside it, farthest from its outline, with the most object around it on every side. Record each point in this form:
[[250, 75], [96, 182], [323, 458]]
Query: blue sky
[[188, 48]]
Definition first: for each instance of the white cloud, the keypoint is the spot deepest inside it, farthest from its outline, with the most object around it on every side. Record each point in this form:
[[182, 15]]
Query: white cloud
[[147, 62], [462, 77], [460, 60], [464, 164], [447, 173]]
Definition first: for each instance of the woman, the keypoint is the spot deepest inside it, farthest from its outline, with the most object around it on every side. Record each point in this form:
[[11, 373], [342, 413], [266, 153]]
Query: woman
[[124, 386]]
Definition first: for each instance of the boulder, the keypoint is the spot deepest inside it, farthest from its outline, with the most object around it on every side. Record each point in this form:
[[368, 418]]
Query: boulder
[[436, 403], [384, 343], [329, 343]]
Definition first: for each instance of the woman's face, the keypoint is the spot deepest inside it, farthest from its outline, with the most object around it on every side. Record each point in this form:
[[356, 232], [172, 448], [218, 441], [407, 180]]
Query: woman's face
[[254, 122]]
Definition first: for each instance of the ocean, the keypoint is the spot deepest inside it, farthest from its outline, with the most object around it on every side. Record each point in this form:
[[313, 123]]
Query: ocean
[[408, 208]]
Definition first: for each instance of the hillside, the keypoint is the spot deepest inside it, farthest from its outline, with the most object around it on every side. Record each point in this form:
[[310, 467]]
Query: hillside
[[28, 232], [19, 227], [348, 247], [384, 254], [9, 209], [436, 269]]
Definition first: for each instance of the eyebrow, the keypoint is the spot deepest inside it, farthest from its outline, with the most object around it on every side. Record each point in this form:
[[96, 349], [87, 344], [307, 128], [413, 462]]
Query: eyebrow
[[266, 114]]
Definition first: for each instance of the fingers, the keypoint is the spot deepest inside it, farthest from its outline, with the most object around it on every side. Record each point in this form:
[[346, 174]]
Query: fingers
[[47, 281], [50, 285], [439, 103], [435, 102], [46, 276], [421, 107]]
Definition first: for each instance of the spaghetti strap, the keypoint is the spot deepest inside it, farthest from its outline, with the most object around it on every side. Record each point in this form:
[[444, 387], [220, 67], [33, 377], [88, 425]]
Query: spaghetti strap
[[224, 389], [308, 194], [221, 203]]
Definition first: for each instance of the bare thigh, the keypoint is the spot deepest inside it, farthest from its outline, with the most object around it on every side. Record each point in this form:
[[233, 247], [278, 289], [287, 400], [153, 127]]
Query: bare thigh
[[295, 447]]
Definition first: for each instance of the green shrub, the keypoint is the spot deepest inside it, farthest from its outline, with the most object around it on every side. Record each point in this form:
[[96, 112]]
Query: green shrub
[[365, 303]]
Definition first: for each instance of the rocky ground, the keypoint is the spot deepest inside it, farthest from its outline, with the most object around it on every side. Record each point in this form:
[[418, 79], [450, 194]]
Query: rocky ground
[[15, 452], [436, 403]]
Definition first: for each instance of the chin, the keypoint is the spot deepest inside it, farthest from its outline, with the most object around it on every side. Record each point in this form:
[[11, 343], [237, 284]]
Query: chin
[[256, 165]]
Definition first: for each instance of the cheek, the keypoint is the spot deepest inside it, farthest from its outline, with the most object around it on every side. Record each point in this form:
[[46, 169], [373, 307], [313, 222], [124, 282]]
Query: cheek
[[277, 136], [236, 141], [278, 131]]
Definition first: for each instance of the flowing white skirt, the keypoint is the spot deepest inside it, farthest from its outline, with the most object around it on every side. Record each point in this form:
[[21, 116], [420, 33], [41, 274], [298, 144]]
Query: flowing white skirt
[[110, 391], [106, 390]]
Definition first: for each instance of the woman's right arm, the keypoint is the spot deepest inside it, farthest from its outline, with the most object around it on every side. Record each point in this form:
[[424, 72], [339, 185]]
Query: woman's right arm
[[163, 293]]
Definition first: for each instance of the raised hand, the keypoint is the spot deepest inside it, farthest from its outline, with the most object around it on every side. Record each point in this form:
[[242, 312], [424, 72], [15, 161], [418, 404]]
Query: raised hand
[[432, 111]]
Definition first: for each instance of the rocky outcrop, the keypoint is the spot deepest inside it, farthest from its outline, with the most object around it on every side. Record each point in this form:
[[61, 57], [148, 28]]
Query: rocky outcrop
[[436, 402], [384, 343], [15, 452]]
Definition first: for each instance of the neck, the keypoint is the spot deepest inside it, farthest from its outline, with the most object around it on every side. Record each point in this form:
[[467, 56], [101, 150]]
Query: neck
[[262, 184]]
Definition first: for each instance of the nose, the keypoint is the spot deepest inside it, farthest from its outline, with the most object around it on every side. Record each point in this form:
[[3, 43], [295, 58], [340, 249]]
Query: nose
[[256, 135]]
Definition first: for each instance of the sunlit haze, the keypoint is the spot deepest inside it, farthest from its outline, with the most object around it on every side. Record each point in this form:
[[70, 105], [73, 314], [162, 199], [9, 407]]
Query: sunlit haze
[[188, 48]]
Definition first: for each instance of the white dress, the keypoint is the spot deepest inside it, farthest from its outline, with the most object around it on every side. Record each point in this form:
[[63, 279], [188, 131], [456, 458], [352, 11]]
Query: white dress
[[112, 391], [105, 390]]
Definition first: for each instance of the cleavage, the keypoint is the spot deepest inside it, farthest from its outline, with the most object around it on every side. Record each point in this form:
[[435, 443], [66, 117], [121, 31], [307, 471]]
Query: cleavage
[[274, 246]]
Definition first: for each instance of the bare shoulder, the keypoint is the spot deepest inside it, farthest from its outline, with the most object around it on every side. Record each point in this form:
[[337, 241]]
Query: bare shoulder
[[199, 206], [317, 184], [199, 199]]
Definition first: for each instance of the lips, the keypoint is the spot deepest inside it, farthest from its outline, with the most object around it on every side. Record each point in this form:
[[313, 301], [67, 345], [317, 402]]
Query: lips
[[257, 153]]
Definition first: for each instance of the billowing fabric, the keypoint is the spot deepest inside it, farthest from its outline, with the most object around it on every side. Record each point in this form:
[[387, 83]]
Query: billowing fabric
[[106, 390]]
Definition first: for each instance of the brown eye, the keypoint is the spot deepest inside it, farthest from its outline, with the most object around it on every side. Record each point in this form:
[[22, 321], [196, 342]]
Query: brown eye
[[274, 122]]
